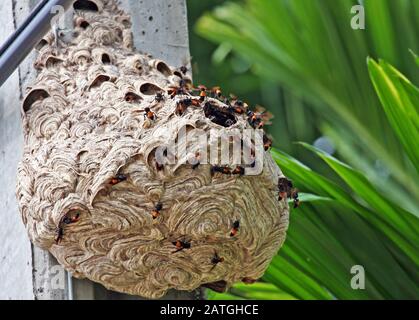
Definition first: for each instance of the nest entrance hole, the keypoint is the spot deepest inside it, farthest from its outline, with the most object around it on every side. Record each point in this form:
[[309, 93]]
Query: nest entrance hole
[[218, 115], [33, 96], [150, 89], [132, 97], [163, 68], [85, 5], [106, 59], [99, 80]]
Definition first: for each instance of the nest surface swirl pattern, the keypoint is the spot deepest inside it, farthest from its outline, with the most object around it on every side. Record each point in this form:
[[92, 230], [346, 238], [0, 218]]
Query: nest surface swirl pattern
[[84, 124]]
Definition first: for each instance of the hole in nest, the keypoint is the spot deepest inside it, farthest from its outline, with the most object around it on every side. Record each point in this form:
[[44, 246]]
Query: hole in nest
[[164, 68], [106, 59], [41, 44], [150, 89], [85, 5], [84, 24], [178, 74], [33, 96], [132, 97], [126, 23], [219, 115], [99, 80], [51, 61], [82, 154]]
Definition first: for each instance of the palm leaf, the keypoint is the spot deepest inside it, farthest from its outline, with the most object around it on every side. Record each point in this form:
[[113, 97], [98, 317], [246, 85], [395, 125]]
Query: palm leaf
[[273, 34], [399, 99], [327, 238]]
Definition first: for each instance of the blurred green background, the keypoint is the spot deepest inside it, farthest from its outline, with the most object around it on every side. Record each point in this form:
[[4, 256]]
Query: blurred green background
[[345, 131]]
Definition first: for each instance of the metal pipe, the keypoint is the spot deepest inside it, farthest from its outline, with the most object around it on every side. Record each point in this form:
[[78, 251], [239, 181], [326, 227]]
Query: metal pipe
[[70, 290], [33, 13], [25, 38]]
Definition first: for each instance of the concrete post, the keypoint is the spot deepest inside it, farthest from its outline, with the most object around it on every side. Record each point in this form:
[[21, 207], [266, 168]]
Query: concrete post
[[27, 272]]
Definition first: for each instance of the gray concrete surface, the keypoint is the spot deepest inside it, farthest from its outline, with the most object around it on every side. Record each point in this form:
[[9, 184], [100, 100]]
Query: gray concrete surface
[[27, 272], [15, 248], [160, 28]]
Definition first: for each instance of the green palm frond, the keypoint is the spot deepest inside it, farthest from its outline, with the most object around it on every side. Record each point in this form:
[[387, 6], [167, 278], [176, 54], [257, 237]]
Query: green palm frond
[[327, 238], [310, 50], [399, 98]]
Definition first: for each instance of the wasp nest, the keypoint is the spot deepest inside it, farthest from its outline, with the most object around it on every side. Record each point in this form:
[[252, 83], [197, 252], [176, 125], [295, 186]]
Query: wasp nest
[[92, 192]]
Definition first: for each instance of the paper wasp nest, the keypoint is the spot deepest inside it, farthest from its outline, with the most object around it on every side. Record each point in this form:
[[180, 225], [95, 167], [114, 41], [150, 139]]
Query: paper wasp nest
[[89, 184]]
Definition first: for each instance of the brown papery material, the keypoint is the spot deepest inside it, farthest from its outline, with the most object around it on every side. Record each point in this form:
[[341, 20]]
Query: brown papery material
[[84, 124]]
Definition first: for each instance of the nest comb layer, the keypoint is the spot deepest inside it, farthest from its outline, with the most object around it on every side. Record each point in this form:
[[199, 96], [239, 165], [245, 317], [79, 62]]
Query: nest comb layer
[[84, 124]]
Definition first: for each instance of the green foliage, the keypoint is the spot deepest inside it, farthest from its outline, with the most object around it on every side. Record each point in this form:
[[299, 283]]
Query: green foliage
[[360, 226], [399, 99], [258, 290], [363, 209], [339, 229], [310, 50]]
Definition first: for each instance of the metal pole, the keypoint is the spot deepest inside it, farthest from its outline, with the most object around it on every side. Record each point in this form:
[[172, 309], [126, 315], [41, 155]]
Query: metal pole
[[25, 38], [70, 286]]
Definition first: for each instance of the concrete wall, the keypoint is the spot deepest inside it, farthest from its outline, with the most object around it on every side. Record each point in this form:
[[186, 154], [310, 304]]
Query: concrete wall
[[26, 272], [15, 248]]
